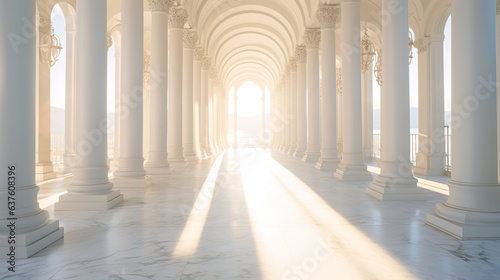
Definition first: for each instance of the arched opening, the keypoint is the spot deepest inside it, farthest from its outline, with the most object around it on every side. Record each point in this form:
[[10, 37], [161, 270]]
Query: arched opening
[[113, 117], [251, 115], [447, 92], [58, 91], [413, 56]]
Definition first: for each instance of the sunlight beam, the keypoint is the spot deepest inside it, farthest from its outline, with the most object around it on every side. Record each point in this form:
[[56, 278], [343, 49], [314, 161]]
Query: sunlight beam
[[193, 229]]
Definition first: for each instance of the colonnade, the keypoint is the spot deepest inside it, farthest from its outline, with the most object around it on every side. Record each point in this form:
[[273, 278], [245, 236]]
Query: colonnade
[[473, 204], [188, 105]]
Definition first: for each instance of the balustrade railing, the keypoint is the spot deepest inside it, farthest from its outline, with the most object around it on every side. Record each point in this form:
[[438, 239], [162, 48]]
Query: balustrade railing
[[414, 147], [57, 149]]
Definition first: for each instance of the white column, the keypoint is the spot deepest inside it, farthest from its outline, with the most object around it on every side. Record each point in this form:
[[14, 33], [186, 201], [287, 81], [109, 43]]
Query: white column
[[431, 139], [367, 109], [17, 147], [473, 206], [157, 163], [44, 167], [118, 88], [190, 38], [210, 111], [286, 112], [199, 53], [69, 124], [351, 167], [292, 97], [90, 188], [329, 160], [498, 79], [177, 19], [339, 112], [301, 56], [146, 129], [216, 115], [312, 38], [283, 113], [206, 63], [263, 134], [130, 171], [396, 180], [235, 122]]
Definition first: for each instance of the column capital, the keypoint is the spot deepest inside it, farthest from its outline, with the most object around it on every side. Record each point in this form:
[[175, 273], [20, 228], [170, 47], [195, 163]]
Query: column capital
[[160, 5], [45, 26], [110, 41], [178, 17], [199, 52], [293, 64], [312, 38], [212, 72], [301, 54], [206, 63], [190, 38], [422, 43], [328, 15]]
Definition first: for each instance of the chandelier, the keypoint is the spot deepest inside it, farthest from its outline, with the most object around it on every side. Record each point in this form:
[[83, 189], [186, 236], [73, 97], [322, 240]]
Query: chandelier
[[378, 67], [50, 47], [367, 51]]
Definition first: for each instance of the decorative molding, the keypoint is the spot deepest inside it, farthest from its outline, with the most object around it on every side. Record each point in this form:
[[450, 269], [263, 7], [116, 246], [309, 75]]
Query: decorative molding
[[206, 63], [212, 72], [312, 38], [190, 38], [199, 52], [422, 43], [45, 26], [160, 5], [301, 54], [178, 17], [328, 15], [110, 41]]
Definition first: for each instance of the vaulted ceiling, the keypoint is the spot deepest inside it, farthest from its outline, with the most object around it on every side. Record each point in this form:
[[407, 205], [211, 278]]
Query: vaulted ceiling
[[255, 39]]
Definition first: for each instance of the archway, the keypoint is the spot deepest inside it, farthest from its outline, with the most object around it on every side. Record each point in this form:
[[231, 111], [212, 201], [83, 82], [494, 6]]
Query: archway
[[249, 115]]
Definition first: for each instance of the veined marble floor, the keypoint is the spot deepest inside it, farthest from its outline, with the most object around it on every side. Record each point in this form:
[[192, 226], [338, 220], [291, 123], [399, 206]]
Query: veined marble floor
[[252, 214]]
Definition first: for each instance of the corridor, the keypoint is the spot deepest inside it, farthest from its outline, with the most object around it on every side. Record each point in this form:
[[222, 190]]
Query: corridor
[[255, 214]]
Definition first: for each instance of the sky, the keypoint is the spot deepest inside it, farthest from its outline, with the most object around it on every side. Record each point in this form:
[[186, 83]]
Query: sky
[[249, 93]]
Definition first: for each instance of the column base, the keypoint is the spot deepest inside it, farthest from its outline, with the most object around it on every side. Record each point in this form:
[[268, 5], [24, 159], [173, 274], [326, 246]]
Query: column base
[[84, 202], [463, 224], [191, 157], [133, 182], [311, 157], [44, 171], [384, 188], [299, 153], [30, 243], [350, 173], [327, 164]]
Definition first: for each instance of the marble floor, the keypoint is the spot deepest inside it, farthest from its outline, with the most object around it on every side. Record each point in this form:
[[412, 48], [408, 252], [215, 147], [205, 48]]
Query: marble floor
[[253, 214]]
